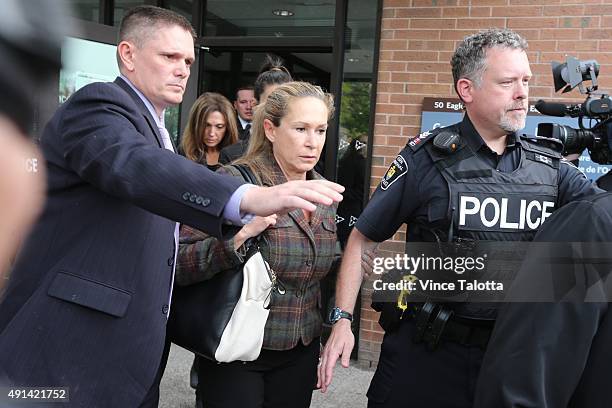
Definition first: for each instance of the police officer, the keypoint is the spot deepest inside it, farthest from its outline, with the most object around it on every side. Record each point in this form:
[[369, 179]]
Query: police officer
[[475, 181]]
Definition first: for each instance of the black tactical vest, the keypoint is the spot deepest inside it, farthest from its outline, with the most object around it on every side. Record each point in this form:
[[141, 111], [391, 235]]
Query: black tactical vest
[[487, 207]]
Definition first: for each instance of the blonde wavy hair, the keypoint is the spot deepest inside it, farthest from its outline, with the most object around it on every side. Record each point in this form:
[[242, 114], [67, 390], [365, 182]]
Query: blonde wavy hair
[[192, 142], [275, 109]]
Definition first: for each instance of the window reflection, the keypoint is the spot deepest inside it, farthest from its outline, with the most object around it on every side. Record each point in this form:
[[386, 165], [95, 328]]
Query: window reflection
[[85, 9], [183, 7], [122, 6], [354, 137], [352, 153], [225, 71]]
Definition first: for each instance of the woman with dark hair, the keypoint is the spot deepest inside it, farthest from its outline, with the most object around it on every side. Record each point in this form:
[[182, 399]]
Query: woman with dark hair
[[287, 138], [211, 127]]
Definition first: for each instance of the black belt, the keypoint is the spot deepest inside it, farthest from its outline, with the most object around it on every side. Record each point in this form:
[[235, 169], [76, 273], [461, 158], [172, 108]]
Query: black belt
[[436, 323]]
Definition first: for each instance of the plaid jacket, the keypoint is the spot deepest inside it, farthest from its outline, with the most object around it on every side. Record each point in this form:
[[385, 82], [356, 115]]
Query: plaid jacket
[[300, 252]]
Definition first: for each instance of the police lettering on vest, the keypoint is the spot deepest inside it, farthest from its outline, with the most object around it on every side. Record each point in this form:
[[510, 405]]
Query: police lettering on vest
[[496, 212]]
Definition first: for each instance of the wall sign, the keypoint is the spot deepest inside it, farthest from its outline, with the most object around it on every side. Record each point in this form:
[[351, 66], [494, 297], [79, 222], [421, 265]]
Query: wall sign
[[439, 112]]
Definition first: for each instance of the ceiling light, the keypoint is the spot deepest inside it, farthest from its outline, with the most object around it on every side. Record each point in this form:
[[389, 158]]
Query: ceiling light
[[310, 3], [282, 13]]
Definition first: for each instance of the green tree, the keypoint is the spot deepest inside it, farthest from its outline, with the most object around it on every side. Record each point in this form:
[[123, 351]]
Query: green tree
[[171, 119], [355, 109]]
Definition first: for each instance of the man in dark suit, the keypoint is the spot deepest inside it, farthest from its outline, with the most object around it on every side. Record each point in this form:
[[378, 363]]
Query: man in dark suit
[[244, 104], [87, 302]]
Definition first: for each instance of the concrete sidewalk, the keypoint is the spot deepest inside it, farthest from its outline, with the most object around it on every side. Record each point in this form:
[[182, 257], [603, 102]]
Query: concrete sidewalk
[[346, 391]]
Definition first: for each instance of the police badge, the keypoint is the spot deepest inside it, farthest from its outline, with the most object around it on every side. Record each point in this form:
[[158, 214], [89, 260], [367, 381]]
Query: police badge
[[398, 168]]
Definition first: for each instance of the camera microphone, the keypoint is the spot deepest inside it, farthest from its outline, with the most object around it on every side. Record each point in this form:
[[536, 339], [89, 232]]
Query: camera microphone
[[551, 108]]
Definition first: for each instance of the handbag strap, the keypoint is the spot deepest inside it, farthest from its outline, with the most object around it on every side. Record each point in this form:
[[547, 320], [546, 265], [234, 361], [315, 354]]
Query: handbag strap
[[253, 242], [249, 177], [247, 173]]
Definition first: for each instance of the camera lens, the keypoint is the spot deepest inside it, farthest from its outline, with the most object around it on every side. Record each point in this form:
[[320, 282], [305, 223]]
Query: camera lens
[[574, 140]]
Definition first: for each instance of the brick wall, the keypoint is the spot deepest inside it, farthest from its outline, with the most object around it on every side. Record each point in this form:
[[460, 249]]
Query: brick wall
[[417, 41]]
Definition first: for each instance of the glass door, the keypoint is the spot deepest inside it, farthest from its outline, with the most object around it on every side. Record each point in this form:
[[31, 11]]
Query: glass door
[[224, 70]]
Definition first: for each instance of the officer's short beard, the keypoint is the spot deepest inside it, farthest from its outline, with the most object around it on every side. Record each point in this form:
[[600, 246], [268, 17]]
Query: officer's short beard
[[511, 125]]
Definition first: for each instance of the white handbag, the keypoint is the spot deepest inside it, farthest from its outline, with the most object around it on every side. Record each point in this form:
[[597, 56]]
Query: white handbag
[[224, 318], [243, 335]]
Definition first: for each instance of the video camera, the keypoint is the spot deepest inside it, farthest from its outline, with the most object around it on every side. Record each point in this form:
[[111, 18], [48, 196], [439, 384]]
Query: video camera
[[597, 108]]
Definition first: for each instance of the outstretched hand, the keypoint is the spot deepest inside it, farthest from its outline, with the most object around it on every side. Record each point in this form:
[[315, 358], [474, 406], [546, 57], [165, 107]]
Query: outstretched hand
[[280, 199], [253, 229]]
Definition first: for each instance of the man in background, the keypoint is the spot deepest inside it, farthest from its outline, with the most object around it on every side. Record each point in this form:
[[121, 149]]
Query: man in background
[[244, 104]]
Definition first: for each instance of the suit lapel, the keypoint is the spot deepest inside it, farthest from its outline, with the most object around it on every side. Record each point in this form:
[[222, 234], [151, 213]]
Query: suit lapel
[[302, 222], [143, 109], [317, 216]]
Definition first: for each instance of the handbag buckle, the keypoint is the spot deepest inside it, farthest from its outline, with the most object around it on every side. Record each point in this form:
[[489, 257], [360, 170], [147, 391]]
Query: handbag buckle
[[277, 285]]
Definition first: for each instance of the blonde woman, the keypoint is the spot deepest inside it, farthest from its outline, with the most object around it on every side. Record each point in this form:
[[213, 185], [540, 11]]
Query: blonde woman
[[287, 137]]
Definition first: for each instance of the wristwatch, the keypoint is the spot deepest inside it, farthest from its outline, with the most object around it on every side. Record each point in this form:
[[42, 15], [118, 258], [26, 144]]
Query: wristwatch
[[336, 314]]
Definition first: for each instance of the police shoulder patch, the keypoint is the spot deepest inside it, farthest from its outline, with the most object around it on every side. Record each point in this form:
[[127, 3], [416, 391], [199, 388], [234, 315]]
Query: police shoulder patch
[[416, 142], [397, 169]]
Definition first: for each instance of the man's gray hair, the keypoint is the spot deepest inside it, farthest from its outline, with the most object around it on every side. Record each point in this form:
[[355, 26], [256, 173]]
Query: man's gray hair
[[469, 59]]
